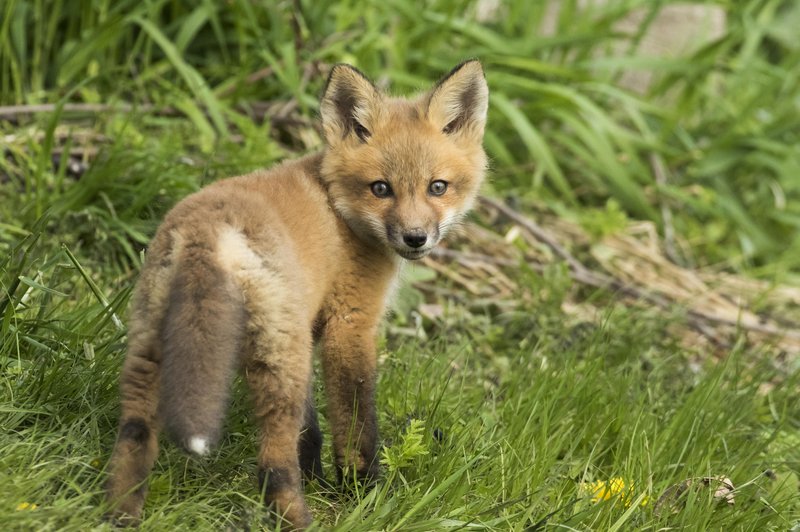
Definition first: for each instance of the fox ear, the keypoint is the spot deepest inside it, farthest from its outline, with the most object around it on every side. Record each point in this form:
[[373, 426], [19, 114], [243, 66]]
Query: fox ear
[[457, 105], [348, 104]]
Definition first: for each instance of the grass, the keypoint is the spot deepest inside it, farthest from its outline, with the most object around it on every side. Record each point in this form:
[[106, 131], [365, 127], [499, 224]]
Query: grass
[[501, 418]]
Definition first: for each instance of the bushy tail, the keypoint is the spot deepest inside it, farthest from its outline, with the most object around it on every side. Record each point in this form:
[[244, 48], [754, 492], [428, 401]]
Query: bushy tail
[[202, 337]]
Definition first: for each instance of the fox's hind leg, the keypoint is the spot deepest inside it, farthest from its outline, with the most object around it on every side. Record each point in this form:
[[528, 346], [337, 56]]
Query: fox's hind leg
[[278, 372], [278, 399], [137, 441]]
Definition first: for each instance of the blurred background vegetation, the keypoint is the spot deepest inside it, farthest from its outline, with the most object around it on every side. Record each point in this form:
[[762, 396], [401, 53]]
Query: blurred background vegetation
[[587, 116]]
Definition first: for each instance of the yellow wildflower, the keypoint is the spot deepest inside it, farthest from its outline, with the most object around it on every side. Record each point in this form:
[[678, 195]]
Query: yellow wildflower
[[615, 488], [26, 506]]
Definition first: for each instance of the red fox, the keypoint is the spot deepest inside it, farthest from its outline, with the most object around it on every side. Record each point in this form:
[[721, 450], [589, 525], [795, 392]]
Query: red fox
[[250, 272]]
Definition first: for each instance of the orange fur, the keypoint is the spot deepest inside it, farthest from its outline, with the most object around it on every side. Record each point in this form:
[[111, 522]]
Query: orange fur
[[251, 271]]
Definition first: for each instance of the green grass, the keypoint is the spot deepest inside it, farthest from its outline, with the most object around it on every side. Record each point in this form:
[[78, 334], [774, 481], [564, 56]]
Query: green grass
[[525, 416], [529, 402]]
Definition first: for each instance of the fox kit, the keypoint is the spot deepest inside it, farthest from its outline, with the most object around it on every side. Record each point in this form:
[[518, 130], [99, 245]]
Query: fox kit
[[250, 272]]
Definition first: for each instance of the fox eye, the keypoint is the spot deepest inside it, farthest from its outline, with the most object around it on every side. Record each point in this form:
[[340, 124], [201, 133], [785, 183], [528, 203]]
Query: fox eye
[[361, 132], [438, 187], [381, 189]]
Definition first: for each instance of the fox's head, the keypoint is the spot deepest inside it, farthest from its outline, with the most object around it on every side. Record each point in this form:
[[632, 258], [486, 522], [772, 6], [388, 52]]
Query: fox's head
[[401, 172]]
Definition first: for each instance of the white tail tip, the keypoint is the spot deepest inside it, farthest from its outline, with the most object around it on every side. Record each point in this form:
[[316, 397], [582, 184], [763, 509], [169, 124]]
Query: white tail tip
[[199, 445]]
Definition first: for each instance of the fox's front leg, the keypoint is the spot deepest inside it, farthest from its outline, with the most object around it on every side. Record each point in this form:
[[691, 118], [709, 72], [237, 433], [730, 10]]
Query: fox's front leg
[[349, 365]]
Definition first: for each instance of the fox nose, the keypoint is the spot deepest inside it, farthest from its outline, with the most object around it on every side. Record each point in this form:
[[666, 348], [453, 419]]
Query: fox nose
[[415, 238]]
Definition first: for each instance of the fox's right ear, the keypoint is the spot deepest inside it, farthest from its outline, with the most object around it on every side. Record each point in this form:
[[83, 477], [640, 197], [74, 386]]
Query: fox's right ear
[[349, 104]]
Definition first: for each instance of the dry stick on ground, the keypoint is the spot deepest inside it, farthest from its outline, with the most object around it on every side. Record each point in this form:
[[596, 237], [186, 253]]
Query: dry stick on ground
[[259, 110], [584, 275], [13, 111]]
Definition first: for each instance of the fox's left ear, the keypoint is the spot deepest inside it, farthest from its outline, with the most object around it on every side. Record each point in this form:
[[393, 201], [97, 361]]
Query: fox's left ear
[[458, 103], [349, 105]]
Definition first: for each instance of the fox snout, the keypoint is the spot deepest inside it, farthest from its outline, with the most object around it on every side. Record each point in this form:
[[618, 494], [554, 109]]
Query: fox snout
[[413, 243]]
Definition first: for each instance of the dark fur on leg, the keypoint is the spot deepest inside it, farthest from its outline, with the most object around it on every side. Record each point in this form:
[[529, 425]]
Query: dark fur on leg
[[309, 449]]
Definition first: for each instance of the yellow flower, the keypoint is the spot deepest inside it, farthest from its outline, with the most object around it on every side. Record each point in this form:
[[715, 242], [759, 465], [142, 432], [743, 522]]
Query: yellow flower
[[604, 490], [26, 506]]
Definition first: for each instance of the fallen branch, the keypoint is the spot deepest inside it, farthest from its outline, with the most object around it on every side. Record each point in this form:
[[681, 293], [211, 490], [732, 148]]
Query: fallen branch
[[14, 111], [279, 112]]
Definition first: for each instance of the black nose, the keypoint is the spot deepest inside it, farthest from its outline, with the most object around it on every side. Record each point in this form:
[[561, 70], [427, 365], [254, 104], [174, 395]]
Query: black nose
[[415, 238]]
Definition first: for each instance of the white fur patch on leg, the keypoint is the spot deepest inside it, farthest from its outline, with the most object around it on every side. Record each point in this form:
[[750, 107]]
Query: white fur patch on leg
[[199, 445]]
